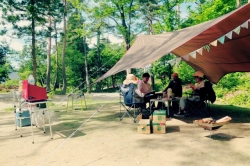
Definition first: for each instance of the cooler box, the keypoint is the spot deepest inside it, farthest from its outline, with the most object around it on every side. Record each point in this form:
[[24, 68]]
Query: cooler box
[[33, 92], [25, 121], [159, 116]]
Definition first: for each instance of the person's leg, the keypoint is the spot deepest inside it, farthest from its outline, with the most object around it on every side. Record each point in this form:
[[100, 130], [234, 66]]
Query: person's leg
[[182, 105]]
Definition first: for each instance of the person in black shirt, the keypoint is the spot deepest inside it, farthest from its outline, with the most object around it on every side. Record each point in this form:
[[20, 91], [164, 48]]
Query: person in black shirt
[[175, 85]]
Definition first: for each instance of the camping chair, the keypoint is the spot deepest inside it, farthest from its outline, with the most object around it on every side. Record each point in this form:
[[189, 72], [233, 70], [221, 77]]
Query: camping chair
[[75, 96], [203, 106], [132, 106]]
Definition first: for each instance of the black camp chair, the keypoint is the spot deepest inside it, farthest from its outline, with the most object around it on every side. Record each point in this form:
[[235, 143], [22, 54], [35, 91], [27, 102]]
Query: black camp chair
[[203, 106], [128, 100]]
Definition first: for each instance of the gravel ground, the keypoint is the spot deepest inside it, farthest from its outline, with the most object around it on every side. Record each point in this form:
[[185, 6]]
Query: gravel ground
[[106, 141]]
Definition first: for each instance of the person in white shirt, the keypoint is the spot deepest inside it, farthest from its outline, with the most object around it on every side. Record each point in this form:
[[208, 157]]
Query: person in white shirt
[[143, 85], [146, 89]]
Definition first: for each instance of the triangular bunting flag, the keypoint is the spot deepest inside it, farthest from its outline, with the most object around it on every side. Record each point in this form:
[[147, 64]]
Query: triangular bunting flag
[[245, 25], [207, 47], [186, 57], [229, 35], [237, 30], [178, 60], [222, 39], [214, 43], [200, 51], [193, 54], [172, 62]]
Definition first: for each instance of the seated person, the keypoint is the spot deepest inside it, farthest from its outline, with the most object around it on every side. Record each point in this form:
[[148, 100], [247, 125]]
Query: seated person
[[145, 88], [198, 76], [175, 85], [138, 96]]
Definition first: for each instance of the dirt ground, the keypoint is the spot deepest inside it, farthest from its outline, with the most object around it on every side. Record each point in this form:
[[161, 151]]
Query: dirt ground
[[104, 140]]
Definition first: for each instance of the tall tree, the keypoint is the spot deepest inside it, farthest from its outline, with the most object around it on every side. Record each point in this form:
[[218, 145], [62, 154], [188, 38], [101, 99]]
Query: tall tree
[[56, 82], [24, 10], [31, 12], [49, 50], [3, 66], [122, 13], [64, 88]]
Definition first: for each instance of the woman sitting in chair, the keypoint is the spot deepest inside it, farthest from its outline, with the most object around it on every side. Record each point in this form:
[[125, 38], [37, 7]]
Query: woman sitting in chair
[[138, 95], [198, 76]]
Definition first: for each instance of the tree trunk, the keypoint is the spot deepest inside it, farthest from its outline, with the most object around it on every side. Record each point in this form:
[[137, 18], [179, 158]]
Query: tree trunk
[[33, 44], [48, 56], [63, 50], [56, 84], [98, 61], [237, 3], [178, 16], [86, 66]]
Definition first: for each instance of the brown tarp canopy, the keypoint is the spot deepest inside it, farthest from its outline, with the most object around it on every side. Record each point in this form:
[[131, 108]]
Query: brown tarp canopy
[[232, 56]]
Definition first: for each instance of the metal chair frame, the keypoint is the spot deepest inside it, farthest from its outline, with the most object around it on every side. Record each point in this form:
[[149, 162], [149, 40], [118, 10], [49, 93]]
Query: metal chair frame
[[75, 96], [132, 109]]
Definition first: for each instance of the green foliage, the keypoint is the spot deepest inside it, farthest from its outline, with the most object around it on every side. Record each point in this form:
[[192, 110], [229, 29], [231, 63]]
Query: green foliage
[[229, 86], [241, 99], [185, 73], [11, 83], [4, 67]]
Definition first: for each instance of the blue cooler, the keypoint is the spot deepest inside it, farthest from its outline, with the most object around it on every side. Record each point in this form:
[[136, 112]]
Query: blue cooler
[[26, 115]]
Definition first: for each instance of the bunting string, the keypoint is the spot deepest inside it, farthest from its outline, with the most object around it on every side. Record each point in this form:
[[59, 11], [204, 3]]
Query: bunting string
[[221, 40]]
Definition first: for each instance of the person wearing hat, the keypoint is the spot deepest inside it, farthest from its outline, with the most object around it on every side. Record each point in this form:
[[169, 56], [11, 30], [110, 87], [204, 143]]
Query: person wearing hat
[[175, 85], [198, 76], [131, 78]]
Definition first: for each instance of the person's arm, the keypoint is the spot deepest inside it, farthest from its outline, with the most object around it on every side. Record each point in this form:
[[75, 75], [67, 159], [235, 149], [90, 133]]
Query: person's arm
[[140, 86], [169, 85], [138, 92]]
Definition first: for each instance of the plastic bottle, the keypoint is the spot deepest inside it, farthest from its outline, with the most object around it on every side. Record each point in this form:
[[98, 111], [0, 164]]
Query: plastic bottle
[[170, 95], [31, 79]]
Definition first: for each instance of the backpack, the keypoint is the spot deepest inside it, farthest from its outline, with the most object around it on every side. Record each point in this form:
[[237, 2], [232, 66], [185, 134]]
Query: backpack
[[210, 92]]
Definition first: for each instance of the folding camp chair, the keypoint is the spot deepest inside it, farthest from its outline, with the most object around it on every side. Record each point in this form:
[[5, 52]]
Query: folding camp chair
[[75, 96], [128, 100], [203, 106]]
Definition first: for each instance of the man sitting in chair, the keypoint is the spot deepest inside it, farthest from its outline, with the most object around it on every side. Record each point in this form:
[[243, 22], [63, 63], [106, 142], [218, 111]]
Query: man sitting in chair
[[146, 89], [176, 86], [198, 76]]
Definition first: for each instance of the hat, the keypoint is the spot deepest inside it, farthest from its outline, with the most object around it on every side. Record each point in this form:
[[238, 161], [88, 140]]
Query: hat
[[198, 74], [130, 78], [175, 75]]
